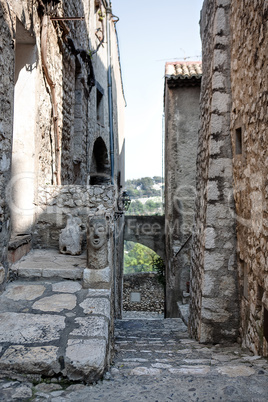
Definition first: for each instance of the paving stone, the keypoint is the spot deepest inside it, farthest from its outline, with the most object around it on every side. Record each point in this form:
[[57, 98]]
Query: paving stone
[[145, 371], [185, 371], [22, 392], [91, 327], [56, 303], [136, 359], [96, 306], [236, 371], [36, 360], [85, 359], [21, 328], [190, 370], [251, 358], [197, 361], [24, 292], [44, 387], [76, 387], [66, 287], [161, 365]]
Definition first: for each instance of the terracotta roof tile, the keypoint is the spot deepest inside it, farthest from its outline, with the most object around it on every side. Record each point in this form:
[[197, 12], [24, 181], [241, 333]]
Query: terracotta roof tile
[[183, 70]]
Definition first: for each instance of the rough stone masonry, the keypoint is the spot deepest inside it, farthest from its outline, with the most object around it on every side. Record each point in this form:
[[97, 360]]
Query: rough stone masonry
[[229, 252]]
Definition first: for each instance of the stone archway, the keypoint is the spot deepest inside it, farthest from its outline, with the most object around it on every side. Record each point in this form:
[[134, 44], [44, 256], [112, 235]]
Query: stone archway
[[147, 230]]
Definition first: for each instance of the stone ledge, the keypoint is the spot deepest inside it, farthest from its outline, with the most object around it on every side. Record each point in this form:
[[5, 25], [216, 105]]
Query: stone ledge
[[18, 247], [19, 240], [82, 365]]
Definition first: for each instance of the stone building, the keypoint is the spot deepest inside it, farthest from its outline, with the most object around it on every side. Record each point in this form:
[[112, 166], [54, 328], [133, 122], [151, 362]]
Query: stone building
[[229, 277], [61, 120], [182, 93]]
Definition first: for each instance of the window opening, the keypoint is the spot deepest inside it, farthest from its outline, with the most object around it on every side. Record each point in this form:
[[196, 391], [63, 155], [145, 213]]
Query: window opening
[[238, 141], [100, 112]]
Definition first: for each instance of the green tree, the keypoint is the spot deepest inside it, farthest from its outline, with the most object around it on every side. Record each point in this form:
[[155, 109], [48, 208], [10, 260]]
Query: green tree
[[137, 258], [136, 208], [159, 267]]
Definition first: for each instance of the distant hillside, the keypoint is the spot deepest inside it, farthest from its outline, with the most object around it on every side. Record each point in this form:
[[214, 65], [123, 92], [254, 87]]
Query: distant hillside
[[144, 187], [146, 196]]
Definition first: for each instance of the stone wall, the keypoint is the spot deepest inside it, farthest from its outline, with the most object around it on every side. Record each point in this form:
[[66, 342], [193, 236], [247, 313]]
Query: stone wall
[[181, 126], [77, 66], [6, 121], [214, 308], [143, 292], [249, 83], [56, 202]]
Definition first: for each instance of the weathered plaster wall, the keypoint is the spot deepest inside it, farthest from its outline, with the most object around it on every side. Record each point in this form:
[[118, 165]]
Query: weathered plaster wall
[[249, 83], [143, 292], [214, 308], [182, 122]]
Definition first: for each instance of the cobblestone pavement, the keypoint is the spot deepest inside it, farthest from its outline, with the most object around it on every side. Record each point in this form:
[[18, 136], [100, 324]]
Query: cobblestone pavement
[[156, 361]]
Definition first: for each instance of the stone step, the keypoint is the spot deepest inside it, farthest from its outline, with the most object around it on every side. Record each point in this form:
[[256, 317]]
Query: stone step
[[49, 264], [52, 327]]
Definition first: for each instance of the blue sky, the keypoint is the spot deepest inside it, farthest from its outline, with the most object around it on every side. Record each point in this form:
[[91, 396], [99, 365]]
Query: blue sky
[[151, 32]]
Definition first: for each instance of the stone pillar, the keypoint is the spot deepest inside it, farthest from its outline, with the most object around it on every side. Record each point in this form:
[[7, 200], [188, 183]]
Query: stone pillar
[[99, 254], [214, 309]]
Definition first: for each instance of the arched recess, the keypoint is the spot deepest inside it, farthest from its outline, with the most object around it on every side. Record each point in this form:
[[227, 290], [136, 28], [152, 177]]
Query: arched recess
[[143, 284], [147, 230], [100, 170], [139, 257]]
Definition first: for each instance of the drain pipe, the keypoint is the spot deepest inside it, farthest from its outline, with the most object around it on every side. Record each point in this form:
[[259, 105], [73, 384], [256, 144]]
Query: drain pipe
[[110, 97], [111, 131], [52, 86]]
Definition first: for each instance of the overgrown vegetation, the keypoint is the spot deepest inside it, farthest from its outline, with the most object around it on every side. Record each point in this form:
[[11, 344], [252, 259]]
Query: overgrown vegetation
[[139, 258], [159, 267]]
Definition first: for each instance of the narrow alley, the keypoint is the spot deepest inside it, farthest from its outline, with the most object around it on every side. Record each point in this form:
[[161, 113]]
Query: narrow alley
[[155, 360]]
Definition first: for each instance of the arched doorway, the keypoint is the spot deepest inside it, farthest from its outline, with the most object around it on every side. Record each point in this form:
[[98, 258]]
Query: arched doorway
[[100, 170], [143, 280]]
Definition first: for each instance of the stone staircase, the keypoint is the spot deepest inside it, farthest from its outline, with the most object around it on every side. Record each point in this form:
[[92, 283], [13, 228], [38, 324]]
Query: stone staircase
[[50, 325]]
